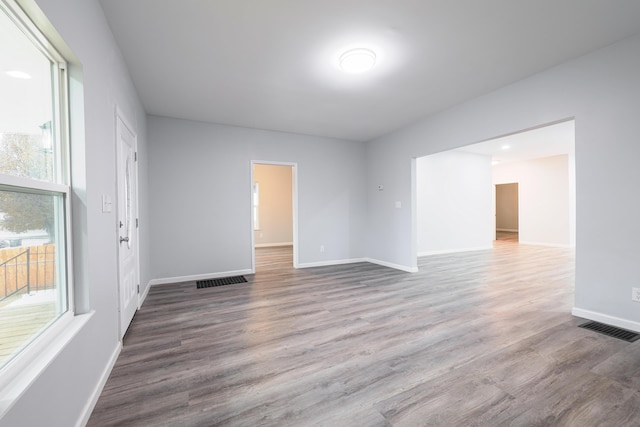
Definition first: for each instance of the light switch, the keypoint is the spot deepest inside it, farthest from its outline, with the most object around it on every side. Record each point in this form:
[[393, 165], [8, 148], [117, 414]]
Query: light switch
[[398, 205], [106, 203]]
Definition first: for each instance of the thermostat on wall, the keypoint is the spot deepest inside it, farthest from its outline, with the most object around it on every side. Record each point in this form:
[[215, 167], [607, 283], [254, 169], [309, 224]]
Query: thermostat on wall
[[380, 187]]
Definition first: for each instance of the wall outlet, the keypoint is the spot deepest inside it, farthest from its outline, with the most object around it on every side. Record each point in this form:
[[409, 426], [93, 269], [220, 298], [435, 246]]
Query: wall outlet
[[635, 294], [321, 248]]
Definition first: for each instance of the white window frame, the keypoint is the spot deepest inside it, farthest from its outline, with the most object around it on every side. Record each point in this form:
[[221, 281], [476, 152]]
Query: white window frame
[[26, 366]]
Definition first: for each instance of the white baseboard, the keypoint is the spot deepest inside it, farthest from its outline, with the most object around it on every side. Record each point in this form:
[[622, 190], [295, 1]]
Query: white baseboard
[[143, 297], [392, 265], [509, 230], [452, 251], [332, 262], [193, 278], [93, 399], [551, 245], [272, 245], [356, 260], [606, 319]]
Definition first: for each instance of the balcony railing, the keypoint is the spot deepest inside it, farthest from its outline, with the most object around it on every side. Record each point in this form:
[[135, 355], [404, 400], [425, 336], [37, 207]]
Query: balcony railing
[[26, 270]]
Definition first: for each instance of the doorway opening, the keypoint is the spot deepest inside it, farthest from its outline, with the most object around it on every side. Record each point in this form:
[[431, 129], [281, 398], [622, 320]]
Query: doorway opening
[[454, 210], [507, 212], [274, 215]]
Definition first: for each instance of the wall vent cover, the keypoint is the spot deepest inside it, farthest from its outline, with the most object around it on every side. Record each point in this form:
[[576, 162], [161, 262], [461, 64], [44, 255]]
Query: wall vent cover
[[611, 331], [222, 281]]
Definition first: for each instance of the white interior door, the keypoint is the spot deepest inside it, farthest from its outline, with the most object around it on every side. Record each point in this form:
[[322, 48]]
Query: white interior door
[[127, 199]]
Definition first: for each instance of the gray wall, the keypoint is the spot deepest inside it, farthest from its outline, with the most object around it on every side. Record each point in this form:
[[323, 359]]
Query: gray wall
[[601, 91], [63, 390], [200, 176]]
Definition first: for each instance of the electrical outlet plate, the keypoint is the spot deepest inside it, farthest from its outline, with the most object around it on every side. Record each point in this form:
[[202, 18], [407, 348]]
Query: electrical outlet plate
[[635, 294]]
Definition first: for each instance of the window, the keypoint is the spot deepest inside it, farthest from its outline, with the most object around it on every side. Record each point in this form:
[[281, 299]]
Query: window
[[34, 185], [256, 206]]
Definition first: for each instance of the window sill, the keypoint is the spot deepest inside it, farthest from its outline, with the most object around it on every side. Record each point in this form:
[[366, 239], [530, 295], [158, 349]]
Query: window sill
[[24, 370]]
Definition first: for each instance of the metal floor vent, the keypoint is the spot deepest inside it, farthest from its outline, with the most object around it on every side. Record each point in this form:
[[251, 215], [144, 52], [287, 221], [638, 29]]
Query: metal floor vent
[[611, 331], [222, 281]]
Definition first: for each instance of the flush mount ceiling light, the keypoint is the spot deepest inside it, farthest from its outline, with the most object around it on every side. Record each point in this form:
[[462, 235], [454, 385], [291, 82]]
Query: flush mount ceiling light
[[505, 147], [358, 60], [16, 74]]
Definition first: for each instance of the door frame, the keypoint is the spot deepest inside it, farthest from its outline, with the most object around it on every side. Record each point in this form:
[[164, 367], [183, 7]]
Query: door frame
[[294, 203], [120, 115], [495, 206]]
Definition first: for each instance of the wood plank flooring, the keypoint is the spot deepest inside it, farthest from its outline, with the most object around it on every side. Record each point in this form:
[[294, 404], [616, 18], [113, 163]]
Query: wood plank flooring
[[21, 320], [479, 338]]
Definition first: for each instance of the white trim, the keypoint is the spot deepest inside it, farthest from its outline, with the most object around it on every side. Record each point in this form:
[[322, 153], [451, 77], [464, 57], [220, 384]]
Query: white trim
[[193, 278], [93, 399], [253, 224], [37, 35], [119, 115], [272, 245], [508, 230], [294, 200], [37, 357], [607, 319], [453, 251], [333, 262], [414, 211], [551, 245], [29, 185], [392, 265], [274, 163], [144, 295]]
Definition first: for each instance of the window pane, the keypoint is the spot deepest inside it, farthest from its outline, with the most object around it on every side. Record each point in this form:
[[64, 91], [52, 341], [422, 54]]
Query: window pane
[[32, 273], [26, 106]]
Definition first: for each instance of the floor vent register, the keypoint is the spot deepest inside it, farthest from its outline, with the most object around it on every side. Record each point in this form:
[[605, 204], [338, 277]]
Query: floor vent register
[[612, 331], [222, 281]]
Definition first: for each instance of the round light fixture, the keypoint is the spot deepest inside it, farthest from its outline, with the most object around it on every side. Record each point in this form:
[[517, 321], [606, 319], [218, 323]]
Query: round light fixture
[[358, 60], [16, 74], [506, 147]]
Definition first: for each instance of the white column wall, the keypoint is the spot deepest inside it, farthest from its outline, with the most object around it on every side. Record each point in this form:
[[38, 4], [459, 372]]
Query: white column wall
[[454, 203]]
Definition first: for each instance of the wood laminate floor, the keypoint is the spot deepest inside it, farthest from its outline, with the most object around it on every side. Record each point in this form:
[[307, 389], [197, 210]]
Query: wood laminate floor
[[479, 338]]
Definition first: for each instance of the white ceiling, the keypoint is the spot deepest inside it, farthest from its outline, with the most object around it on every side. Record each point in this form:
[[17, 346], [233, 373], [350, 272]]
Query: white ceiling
[[546, 141], [270, 64]]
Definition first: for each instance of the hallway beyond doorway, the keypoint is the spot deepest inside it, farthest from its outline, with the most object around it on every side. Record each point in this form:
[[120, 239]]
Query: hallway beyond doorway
[[274, 258], [507, 236]]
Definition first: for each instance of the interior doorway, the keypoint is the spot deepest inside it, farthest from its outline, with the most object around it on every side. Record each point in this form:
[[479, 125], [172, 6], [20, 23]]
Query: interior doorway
[[274, 215], [454, 188], [507, 212]]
